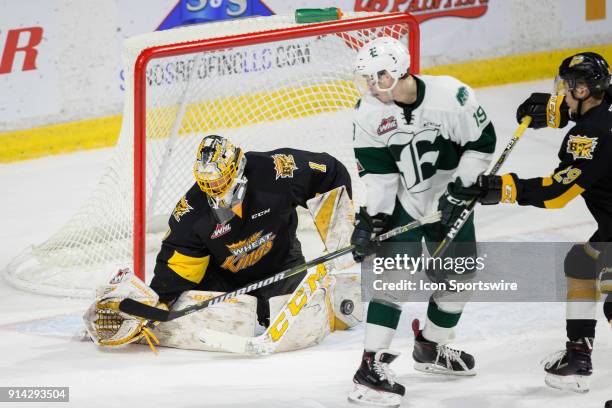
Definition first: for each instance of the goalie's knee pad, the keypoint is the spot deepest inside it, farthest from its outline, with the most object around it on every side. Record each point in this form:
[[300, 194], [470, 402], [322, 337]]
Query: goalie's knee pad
[[314, 320], [236, 316], [580, 262]]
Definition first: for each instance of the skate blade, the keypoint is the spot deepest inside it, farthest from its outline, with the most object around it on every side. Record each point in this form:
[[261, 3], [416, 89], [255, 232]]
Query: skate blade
[[367, 396], [439, 370], [575, 383]]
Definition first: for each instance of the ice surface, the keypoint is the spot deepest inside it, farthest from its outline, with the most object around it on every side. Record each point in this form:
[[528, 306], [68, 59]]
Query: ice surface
[[40, 336]]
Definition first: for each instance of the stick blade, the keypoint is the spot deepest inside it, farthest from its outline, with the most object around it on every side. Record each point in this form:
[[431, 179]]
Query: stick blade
[[135, 308], [231, 343]]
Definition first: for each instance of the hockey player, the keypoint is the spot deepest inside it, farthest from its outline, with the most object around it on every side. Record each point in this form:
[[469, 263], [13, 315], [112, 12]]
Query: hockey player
[[584, 169], [236, 225], [419, 141]]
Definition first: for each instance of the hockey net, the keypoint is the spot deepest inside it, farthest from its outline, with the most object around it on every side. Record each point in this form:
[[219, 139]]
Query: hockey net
[[264, 82]]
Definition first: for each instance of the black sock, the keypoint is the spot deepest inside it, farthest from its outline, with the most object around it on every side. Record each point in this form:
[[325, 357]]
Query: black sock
[[579, 328]]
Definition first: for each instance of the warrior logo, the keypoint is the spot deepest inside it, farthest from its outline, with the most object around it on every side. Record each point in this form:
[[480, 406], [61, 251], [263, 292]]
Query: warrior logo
[[182, 208], [248, 252], [284, 164], [220, 229], [581, 147], [387, 125]]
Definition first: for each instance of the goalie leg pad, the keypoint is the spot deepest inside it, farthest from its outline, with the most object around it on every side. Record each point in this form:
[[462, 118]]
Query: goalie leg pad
[[334, 216], [314, 322], [236, 316]]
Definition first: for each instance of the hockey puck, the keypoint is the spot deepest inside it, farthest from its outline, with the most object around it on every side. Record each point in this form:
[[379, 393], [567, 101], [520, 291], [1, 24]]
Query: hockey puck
[[608, 404], [347, 306]]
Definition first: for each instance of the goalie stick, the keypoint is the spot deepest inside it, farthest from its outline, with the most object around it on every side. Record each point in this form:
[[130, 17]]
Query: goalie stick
[[268, 341], [465, 214], [152, 313]]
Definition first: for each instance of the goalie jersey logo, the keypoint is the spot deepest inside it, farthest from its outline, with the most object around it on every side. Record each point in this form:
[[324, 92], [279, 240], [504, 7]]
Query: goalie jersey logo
[[284, 164], [182, 208], [247, 252]]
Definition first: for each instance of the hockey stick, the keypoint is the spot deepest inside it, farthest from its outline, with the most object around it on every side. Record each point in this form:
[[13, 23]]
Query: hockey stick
[[267, 342], [136, 308], [467, 211]]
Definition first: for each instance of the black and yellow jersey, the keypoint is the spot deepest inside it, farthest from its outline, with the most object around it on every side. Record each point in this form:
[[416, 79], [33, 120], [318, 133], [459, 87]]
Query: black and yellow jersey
[[585, 169], [257, 244]]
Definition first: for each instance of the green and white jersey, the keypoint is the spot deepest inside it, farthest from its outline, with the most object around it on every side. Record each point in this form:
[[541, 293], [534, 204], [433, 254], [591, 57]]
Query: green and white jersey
[[413, 151]]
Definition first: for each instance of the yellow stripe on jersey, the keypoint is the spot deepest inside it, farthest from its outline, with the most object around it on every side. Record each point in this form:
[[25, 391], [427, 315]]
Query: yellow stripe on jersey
[[582, 289], [560, 201], [187, 267], [547, 181]]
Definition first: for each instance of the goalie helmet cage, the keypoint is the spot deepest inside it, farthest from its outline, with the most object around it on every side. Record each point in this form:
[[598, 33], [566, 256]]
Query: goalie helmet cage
[[263, 82]]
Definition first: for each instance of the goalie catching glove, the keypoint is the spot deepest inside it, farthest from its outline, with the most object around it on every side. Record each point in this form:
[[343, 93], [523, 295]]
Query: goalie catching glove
[[107, 325]]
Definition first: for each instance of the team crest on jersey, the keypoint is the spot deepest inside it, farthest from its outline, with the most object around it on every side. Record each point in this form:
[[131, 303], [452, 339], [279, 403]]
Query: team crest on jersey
[[182, 208], [220, 229], [462, 95], [581, 147], [284, 164], [247, 252], [387, 125]]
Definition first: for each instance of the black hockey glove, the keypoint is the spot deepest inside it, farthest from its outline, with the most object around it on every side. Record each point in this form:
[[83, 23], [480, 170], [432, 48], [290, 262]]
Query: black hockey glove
[[556, 116], [366, 228], [496, 189], [455, 200]]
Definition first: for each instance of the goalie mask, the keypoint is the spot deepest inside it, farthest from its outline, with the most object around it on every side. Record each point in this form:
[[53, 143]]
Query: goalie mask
[[384, 54], [218, 170]]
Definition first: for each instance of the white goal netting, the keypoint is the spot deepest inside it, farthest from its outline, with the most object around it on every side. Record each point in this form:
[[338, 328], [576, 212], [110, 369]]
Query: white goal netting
[[295, 92]]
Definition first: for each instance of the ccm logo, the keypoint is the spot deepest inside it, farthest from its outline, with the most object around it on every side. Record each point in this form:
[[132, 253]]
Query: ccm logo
[[259, 214]]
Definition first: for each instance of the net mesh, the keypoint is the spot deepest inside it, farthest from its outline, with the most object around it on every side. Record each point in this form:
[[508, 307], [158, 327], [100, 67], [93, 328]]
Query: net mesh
[[294, 93]]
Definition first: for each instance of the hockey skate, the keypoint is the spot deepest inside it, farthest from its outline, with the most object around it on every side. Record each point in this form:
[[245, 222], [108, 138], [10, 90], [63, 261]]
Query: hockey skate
[[570, 369], [434, 358], [375, 382]]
